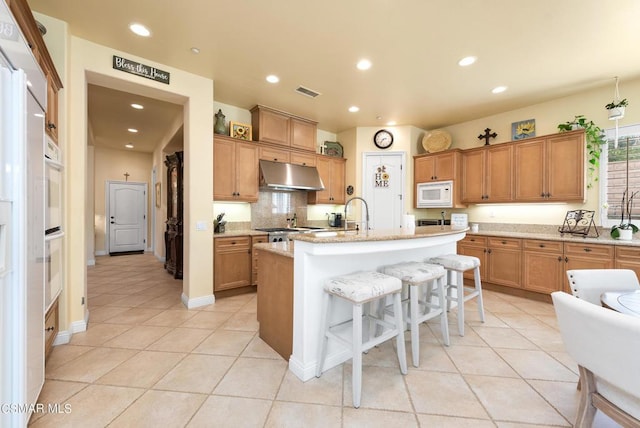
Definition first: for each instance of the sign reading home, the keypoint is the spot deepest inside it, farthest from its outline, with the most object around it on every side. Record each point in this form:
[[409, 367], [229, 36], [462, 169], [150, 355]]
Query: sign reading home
[[138, 69]]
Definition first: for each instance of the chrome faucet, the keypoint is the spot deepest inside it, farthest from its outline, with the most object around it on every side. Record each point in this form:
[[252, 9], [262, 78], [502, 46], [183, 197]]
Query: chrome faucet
[[366, 208]]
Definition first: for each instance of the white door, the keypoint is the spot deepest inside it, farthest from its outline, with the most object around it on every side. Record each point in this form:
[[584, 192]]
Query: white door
[[383, 188], [127, 222]]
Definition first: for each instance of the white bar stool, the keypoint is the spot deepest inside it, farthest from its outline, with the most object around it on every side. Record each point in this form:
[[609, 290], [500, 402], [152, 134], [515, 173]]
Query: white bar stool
[[458, 264], [361, 288], [420, 277]]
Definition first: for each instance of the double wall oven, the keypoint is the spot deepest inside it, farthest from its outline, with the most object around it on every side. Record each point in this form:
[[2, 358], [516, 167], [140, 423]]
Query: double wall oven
[[53, 223]]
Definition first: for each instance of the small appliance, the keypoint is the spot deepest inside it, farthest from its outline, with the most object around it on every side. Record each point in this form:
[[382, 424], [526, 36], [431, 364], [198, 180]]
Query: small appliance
[[436, 194], [335, 220]]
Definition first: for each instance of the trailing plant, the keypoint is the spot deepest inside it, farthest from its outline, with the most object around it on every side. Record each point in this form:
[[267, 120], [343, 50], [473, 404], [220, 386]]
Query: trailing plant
[[595, 140], [616, 104], [626, 208]]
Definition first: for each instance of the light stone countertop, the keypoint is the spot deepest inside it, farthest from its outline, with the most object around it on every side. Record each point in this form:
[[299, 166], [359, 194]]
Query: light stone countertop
[[281, 248], [604, 238], [342, 236], [239, 232]]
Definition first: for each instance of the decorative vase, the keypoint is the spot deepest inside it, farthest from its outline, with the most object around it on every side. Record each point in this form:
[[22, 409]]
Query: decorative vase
[[616, 113], [625, 234], [220, 127]]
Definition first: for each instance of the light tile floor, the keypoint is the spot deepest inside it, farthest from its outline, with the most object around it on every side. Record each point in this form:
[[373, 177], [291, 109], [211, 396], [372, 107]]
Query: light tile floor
[[146, 361]]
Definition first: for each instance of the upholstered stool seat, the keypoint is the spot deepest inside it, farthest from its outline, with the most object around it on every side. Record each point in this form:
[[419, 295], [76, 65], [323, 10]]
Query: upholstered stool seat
[[457, 264], [420, 280], [362, 288]]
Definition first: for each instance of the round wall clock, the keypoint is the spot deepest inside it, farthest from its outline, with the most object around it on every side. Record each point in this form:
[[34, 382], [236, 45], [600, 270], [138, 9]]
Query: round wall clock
[[383, 139]]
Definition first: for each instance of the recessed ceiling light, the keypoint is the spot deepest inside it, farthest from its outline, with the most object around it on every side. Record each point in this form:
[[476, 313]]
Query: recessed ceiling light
[[499, 89], [137, 106], [272, 78], [195, 50], [140, 30], [132, 130], [129, 146], [467, 60], [364, 64], [354, 109], [392, 123]]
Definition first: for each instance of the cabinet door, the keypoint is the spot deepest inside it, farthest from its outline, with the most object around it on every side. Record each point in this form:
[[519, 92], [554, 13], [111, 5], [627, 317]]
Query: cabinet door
[[445, 166], [323, 164], [586, 256], [475, 246], [224, 170], [337, 181], [273, 154], [303, 159], [542, 266], [423, 169], [274, 128], [303, 134], [499, 167], [246, 172], [473, 176], [529, 171], [51, 113], [565, 168], [232, 263], [254, 256], [504, 262]]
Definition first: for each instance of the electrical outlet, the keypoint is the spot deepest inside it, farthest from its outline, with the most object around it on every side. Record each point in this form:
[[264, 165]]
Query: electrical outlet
[[492, 213]]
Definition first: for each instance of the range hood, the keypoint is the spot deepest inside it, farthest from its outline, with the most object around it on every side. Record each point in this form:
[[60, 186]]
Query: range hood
[[287, 176]]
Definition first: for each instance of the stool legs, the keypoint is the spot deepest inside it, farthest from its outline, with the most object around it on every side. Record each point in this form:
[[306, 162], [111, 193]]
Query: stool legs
[[356, 371], [402, 354], [460, 296], [476, 279]]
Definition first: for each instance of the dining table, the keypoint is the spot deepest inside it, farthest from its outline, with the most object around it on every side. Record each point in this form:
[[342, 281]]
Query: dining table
[[626, 302]]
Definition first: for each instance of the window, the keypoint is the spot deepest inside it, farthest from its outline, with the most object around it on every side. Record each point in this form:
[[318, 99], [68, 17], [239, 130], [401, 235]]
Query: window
[[619, 173]]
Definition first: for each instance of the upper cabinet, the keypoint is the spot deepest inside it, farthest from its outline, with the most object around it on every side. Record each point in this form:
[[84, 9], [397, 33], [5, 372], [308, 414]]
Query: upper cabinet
[[436, 167], [26, 21], [332, 173], [487, 174], [550, 168], [276, 127], [235, 170]]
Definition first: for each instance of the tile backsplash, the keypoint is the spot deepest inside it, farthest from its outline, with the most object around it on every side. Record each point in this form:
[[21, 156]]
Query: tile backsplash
[[274, 208]]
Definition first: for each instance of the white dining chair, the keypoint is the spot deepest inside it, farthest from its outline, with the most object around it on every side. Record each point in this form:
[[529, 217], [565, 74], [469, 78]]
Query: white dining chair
[[605, 344], [589, 284]]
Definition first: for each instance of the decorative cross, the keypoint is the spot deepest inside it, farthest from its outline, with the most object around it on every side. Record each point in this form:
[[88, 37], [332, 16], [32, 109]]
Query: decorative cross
[[487, 134], [126, 176]]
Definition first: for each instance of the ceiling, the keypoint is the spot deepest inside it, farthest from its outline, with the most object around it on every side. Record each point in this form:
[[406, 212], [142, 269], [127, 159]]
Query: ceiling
[[540, 50]]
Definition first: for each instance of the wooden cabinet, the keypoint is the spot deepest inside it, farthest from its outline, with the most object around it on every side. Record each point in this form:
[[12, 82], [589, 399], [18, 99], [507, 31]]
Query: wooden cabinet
[[504, 261], [475, 246], [628, 258], [543, 267], [332, 173], [173, 235], [436, 167], [586, 256], [550, 169], [277, 127], [235, 170], [275, 154], [486, 174], [232, 262], [304, 159], [254, 256], [51, 328]]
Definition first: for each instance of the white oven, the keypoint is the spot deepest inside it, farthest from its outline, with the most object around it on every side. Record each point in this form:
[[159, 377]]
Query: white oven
[[52, 268], [53, 189], [436, 194]]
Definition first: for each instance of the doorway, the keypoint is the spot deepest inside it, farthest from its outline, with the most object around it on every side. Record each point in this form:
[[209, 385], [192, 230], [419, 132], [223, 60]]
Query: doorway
[[383, 188], [126, 205]]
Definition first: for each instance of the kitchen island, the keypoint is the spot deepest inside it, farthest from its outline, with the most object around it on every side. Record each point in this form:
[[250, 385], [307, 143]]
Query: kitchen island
[[318, 256]]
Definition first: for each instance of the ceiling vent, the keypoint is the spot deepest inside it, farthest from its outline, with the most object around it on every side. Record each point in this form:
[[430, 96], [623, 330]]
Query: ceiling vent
[[307, 92]]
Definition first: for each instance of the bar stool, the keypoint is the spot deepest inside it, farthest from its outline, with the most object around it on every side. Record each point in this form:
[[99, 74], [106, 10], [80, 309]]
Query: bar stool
[[458, 264], [420, 278], [359, 289]]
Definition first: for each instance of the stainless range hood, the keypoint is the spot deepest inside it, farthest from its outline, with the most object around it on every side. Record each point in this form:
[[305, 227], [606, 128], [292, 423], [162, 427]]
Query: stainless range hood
[[287, 176]]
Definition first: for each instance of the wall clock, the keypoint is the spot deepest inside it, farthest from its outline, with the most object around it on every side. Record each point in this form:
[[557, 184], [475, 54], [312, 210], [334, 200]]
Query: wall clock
[[383, 139]]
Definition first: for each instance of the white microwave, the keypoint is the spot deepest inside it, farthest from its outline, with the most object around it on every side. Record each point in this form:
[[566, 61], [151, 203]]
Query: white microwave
[[436, 194]]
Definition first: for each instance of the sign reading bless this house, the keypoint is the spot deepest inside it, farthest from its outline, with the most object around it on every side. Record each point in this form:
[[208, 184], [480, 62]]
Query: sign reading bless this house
[[138, 69]]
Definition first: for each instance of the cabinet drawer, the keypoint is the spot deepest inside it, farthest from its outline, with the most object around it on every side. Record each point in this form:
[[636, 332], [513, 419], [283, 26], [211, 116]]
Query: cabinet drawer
[[478, 241], [50, 328], [592, 250], [628, 253], [542, 246], [495, 242], [233, 243], [275, 155], [303, 159]]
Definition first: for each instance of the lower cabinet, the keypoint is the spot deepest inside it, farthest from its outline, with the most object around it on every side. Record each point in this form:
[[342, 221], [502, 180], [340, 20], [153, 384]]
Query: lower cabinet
[[543, 266], [50, 328], [500, 258], [587, 256], [254, 257], [232, 262], [628, 258]]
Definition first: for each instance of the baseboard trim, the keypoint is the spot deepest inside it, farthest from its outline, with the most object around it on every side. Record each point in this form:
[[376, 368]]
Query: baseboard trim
[[64, 337], [161, 259], [101, 253], [91, 262], [198, 301]]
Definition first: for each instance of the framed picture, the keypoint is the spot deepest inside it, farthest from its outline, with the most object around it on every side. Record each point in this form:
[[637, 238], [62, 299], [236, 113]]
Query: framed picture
[[240, 131], [158, 194], [523, 129], [333, 148]]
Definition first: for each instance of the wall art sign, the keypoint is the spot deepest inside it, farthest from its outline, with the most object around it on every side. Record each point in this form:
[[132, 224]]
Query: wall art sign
[[138, 69], [523, 129], [381, 177]]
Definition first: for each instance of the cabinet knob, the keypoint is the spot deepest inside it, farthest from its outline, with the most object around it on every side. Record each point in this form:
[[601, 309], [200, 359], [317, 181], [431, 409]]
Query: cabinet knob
[[504, 242], [233, 242], [489, 251], [542, 195], [548, 195], [566, 259], [559, 258], [587, 250], [50, 328], [541, 245], [51, 125]]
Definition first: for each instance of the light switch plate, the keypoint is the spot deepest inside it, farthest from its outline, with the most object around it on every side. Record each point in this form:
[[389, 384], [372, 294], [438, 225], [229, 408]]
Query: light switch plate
[[201, 225]]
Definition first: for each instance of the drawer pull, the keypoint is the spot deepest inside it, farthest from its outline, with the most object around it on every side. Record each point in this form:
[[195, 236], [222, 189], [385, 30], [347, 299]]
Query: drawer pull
[[472, 240], [541, 245], [50, 328], [233, 242], [504, 242], [587, 250]]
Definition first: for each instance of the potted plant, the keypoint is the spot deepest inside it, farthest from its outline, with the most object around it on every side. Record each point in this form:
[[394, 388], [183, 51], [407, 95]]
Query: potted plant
[[624, 230], [595, 140], [616, 109]]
